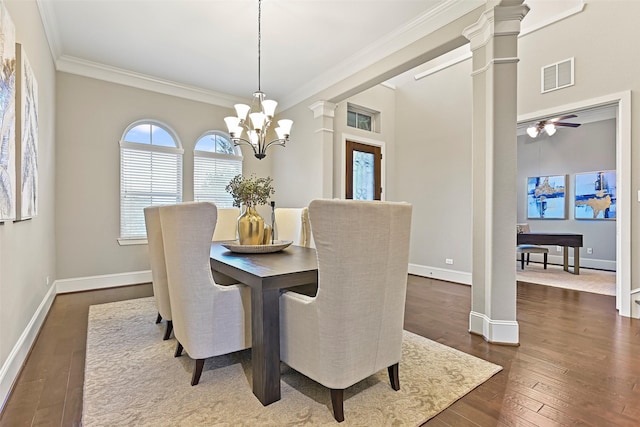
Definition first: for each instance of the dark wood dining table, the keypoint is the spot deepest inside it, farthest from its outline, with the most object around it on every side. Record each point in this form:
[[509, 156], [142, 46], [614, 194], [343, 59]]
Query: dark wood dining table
[[266, 274]]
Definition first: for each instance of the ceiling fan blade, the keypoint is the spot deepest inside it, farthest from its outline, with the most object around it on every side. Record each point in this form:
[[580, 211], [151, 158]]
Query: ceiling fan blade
[[570, 125], [557, 119]]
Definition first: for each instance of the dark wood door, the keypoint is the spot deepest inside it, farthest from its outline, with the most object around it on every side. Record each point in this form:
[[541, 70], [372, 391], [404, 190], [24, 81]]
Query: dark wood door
[[364, 177]]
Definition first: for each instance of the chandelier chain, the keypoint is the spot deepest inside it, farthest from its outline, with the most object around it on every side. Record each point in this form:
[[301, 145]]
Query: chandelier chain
[[259, 40]]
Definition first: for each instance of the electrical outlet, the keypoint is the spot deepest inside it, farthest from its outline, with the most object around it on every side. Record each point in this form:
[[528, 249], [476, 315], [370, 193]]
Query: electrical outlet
[[47, 280], [589, 250], [558, 248], [448, 261]]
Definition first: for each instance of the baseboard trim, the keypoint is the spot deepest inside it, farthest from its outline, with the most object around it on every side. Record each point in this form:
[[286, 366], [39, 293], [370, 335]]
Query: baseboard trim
[[89, 283], [598, 264], [440, 274], [12, 366], [494, 331]]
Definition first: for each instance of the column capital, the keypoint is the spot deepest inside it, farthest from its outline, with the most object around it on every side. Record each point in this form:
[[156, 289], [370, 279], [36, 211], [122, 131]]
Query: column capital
[[323, 109], [499, 20]]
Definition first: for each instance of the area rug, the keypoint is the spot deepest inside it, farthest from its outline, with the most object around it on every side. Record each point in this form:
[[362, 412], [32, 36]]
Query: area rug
[[589, 280], [132, 378]]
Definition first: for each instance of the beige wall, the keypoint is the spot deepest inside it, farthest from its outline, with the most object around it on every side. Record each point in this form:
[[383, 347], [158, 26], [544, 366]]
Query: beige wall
[[433, 141], [92, 116], [27, 251]]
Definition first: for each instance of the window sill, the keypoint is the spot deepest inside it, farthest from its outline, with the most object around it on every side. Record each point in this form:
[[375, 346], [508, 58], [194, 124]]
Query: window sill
[[130, 242]]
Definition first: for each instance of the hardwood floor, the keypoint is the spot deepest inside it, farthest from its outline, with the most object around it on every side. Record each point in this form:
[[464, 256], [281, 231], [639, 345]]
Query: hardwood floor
[[578, 362]]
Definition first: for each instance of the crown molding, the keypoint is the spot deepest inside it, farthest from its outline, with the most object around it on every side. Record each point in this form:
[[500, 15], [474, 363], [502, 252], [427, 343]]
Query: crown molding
[[50, 27], [73, 65]]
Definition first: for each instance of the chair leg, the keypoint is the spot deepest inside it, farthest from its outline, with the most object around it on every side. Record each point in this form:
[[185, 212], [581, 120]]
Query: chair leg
[[159, 318], [178, 352], [394, 376], [545, 260], [528, 256], [167, 332], [197, 371], [522, 261], [337, 400]]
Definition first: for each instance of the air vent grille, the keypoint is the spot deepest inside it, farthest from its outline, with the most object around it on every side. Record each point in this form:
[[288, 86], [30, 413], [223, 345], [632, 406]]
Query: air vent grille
[[557, 76]]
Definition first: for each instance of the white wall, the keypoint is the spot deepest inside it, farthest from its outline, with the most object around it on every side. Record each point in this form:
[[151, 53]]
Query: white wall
[[433, 171], [27, 249]]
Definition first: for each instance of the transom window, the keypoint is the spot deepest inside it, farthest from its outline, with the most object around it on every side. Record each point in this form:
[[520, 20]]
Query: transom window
[[150, 173], [215, 162], [362, 118]]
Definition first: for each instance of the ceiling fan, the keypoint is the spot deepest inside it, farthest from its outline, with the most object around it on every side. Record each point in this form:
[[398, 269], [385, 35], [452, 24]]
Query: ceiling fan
[[549, 125]]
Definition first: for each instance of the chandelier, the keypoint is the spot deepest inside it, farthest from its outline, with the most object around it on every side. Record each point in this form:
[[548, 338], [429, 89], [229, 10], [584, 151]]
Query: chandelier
[[260, 116]]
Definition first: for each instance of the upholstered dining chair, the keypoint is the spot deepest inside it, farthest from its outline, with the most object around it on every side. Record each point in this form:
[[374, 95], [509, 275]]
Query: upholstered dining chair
[[227, 224], [353, 327], [293, 224], [208, 319], [158, 267], [529, 249]]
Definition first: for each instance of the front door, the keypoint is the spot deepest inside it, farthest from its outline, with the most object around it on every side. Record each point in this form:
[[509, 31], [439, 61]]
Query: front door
[[364, 178]]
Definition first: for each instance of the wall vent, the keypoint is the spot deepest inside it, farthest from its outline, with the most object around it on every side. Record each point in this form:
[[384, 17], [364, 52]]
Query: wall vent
[[556, 76]]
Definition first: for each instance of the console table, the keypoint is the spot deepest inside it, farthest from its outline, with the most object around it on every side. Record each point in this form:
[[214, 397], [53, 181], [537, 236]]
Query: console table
[[566, 240]]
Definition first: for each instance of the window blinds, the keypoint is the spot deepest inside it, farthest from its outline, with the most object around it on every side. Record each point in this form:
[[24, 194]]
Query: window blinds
[[147, 178], [211, 175]]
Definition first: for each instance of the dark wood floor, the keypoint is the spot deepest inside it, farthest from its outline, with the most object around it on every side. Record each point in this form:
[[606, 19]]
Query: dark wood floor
[[578, 362]]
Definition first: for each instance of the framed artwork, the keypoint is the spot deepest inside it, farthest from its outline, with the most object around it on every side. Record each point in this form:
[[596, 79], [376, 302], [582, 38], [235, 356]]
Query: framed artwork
[[7, 115], [596, 195], [546, 197], [26, 138]]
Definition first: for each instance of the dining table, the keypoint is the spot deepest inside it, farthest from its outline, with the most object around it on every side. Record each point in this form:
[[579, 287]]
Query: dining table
[[266, 274]]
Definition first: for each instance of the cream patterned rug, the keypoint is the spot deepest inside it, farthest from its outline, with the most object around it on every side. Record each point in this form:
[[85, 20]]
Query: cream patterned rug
[[132, 378], [589, 280]]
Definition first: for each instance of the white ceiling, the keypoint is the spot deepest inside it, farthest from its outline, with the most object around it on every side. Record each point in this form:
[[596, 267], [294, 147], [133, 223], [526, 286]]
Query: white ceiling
[[207, 49], [212, 44]]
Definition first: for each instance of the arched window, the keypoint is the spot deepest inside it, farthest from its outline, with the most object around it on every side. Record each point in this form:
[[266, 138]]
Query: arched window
[[215, 162], [150, 173]]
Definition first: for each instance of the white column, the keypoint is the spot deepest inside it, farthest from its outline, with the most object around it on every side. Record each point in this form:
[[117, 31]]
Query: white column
[[494, 40], [323, 114]]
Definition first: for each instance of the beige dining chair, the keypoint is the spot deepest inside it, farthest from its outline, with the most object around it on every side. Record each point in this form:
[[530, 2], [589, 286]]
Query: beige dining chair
[[158, 267], [208, 319], [293, 224], [529, 249], [353, 327], [227, 224]]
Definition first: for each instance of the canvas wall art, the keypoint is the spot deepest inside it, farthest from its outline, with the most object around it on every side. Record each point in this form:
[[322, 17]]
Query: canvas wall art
[[7, 115], [596, 195], [546, 197], [26, 138]]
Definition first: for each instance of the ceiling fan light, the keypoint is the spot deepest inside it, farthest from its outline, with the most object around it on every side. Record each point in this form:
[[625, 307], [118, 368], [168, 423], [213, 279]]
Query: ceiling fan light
[[550, 128], [532, 131]]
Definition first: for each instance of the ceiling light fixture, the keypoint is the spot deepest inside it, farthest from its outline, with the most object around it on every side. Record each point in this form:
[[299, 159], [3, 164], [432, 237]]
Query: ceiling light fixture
[[550, 126], [260, 114]]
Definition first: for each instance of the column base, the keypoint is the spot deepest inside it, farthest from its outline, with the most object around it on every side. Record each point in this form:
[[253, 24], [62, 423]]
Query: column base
[[504, 332]]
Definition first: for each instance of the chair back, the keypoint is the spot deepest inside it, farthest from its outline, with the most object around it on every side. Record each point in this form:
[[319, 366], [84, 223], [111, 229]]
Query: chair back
[[156, 261], [293, 224], [226, 225], [199, 313], [363, 258]]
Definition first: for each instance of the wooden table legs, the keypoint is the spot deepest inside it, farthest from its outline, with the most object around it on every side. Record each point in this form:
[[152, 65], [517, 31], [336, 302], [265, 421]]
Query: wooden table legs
[[576, 259]]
